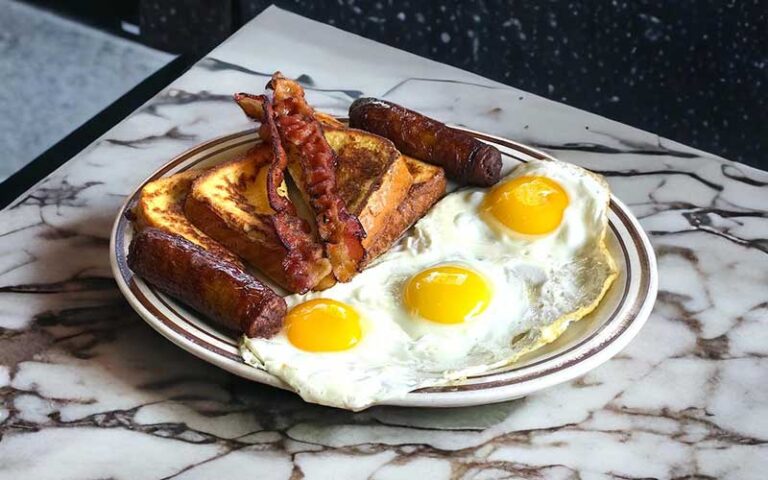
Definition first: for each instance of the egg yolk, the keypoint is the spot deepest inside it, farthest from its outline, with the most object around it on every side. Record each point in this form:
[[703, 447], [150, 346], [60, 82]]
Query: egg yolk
[[323, 325], [447, 294], [530, 205]]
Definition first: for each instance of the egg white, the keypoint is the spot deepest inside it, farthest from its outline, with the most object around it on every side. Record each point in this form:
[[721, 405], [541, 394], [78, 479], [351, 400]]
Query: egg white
[[539, 284]]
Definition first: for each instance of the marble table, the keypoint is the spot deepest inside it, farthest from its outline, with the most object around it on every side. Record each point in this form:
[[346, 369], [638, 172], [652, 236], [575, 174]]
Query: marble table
[[88, 390]]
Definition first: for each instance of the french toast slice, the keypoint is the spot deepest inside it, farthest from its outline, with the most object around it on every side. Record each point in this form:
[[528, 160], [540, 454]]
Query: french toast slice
[[371, 177], [387, 191], [427, 187], [161, 205], [230, 203], [244, 204]]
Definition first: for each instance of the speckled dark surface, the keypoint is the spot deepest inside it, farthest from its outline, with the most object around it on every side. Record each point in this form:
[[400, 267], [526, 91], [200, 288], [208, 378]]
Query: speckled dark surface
[[693, 71]]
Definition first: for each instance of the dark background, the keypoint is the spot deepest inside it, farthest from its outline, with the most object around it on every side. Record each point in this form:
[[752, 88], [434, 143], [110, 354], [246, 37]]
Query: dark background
[[693, 71]]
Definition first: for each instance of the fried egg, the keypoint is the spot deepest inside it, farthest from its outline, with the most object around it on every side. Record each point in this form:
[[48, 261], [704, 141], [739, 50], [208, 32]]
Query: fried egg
[[485, 277]]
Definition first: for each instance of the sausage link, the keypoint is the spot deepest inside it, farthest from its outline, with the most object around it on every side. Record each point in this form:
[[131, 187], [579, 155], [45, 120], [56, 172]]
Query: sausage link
[[208, 283], [465, 159]]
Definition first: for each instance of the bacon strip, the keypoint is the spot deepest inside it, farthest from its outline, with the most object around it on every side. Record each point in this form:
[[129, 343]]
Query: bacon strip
[[305, 264], [259, 108], [340, 231]]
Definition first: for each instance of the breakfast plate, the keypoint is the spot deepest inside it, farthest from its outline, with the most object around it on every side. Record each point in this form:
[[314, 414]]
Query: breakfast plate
[[584, 345]]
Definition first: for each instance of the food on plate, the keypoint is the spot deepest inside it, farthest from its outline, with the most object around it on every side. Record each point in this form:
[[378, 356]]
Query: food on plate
[[465, 159], [384, 189], [469, 289], [328, 120], [230, 203], [161, 205], [372, 178], [341, 232], [207, 282], [375, 308], [244, 205], [427, 187]]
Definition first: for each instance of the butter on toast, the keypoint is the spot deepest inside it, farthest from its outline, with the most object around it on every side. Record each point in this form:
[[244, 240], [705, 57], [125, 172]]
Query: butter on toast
[[161, 205], [244, 204]]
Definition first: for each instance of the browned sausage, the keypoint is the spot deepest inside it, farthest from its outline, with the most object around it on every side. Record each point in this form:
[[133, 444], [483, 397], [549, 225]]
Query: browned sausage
[[208, 283], [465, 159]]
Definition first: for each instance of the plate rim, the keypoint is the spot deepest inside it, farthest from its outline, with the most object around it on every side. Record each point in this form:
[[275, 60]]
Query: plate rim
[[567, 365]]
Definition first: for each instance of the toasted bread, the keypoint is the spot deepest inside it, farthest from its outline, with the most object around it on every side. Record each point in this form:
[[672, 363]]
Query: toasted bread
[[427, 187], [161, 206], [386, 190], [328, 120], [230, 202], [371, 176]]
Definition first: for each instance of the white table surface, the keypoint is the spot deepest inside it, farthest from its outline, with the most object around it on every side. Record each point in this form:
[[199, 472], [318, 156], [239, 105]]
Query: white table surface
[[87, 390]]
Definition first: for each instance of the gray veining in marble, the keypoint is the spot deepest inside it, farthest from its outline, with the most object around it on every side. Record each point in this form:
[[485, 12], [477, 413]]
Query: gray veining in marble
[[87, 390], [57, 74]]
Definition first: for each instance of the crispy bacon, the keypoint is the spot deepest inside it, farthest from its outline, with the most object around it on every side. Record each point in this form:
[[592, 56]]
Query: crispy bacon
[[304, 264], [259, 108], [340, 231]]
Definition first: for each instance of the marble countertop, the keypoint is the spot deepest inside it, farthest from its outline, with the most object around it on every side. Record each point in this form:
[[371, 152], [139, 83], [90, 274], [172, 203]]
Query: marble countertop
[[88, 390]]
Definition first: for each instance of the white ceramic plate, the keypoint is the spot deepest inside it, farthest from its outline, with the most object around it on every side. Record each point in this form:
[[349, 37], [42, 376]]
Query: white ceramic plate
[[585, 345]]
